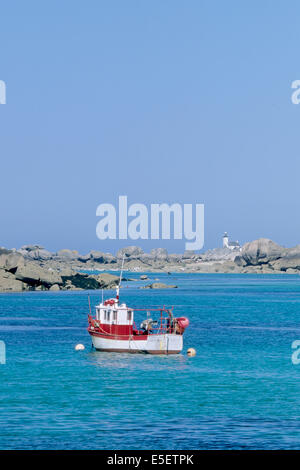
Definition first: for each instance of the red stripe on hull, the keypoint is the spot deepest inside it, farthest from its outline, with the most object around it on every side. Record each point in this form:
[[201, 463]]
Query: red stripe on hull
[[121, 338], [156, 352]]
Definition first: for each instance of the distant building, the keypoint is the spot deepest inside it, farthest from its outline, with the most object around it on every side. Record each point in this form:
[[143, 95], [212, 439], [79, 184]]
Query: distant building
[[229, 244]]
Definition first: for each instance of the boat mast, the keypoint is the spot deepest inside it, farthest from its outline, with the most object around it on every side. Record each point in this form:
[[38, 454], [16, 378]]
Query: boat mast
[[120, 280]]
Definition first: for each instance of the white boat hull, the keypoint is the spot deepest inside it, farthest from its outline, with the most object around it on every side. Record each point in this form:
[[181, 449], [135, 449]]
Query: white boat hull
[[154, 344]]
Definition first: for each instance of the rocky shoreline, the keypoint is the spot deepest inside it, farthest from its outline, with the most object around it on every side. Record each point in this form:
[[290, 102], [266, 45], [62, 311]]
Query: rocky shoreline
[[34, 268]]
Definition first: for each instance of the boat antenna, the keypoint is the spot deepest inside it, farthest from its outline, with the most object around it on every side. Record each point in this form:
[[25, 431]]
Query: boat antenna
[[90, 304], [120, 280], [102, 296]]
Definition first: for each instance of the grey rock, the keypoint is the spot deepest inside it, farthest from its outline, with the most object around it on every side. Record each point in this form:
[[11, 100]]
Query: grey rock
[[65, 271], [81, 281], [292, 271], [290, 260], [104, 258], [31, 247], [239, 261], [159, 285], [261, 251], [93, 281], [159, 254], [11, 260], [97, 256], [69, 286], [5, 251], [34, 275], [266, 269], [8, 282], [107, 280], [129, 252], [84, 258], [188, 254], [175, 258], [285, 263], [39, 254], [35, 252], [146, 258], [293, 252], [67, 254], [55, 287], [218, 254]]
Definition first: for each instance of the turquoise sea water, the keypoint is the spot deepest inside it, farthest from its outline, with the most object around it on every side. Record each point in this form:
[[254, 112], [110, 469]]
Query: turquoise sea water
[[241, 391]]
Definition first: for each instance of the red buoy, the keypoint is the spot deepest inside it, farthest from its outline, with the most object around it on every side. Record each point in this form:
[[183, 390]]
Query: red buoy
[[183, 322]]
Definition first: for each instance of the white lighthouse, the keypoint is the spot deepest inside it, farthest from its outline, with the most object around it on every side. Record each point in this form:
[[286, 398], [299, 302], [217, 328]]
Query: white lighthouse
[[230, 244], [225, 240]]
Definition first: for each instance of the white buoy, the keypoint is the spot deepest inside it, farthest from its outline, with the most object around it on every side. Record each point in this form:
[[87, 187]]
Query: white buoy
[[191, 352], [79, 347]]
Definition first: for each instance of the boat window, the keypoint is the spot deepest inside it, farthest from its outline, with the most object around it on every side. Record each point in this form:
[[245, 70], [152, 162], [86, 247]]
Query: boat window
[[115, 315], [108, 316], [129, 315]]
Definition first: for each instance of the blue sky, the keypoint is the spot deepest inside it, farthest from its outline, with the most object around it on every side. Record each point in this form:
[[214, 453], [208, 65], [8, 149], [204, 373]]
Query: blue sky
[[163, 101]]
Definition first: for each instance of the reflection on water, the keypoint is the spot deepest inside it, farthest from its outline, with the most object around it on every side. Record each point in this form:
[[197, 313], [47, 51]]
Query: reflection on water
[[137, 361]]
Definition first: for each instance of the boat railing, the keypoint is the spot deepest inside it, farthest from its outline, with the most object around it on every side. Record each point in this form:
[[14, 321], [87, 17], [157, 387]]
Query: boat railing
[[166, 323]]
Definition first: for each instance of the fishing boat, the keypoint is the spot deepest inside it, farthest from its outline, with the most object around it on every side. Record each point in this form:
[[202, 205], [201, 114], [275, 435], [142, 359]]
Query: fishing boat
[[113, 328]]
